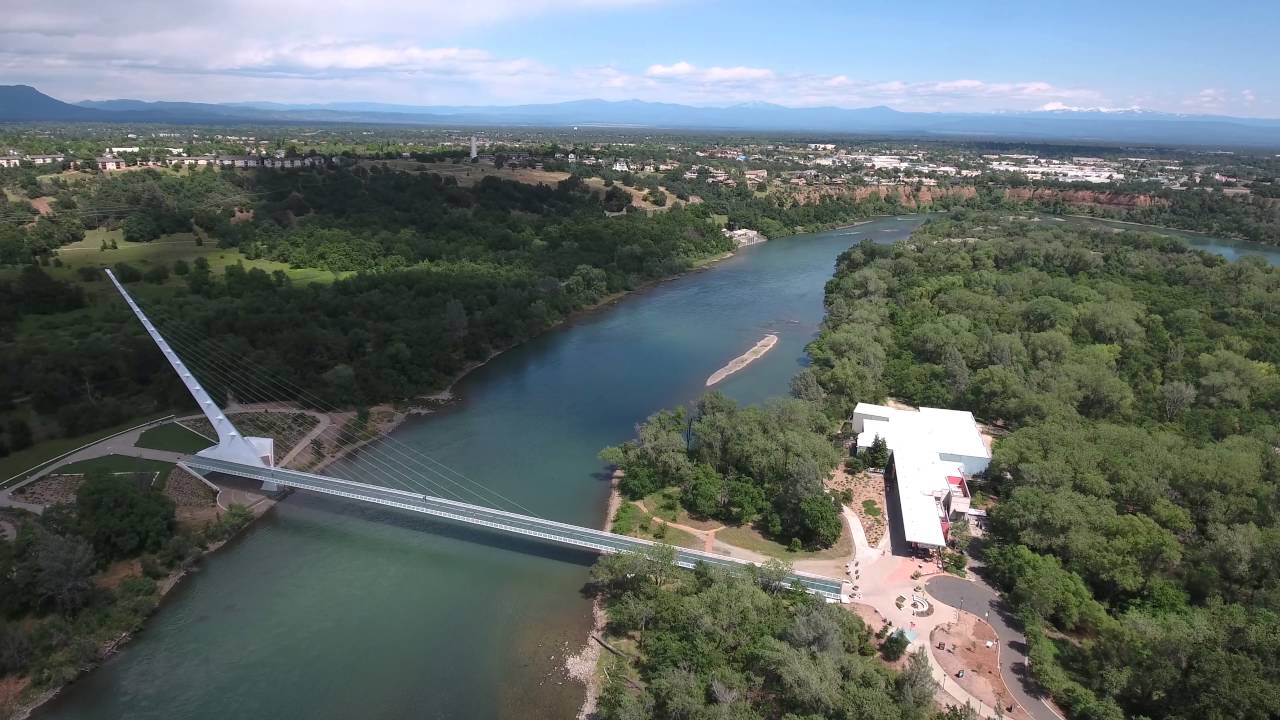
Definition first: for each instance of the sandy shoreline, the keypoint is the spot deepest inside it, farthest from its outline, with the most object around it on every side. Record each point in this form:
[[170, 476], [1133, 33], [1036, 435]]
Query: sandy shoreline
[[765, 345], [583, 666]]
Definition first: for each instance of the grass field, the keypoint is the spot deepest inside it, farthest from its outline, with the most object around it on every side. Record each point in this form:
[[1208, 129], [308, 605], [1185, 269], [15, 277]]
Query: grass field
[[631, 520], [41, 453], [172, 437], [749, 538], [118, 464], [164, 251], [468, 174]]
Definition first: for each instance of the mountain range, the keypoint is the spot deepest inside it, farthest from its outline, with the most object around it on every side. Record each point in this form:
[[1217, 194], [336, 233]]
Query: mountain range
[[22, 103]]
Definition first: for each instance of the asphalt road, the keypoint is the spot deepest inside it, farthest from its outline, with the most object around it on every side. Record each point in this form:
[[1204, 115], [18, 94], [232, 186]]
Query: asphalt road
[[977, 597]]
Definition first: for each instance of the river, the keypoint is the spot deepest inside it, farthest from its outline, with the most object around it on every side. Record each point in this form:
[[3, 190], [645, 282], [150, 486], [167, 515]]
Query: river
[[330, 610]]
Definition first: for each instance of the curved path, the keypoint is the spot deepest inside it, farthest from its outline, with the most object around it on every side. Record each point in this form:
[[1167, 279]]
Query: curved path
[[977, 597]]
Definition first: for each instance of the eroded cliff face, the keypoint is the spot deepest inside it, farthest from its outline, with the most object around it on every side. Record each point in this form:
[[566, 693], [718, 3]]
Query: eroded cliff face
[[1085, 197]]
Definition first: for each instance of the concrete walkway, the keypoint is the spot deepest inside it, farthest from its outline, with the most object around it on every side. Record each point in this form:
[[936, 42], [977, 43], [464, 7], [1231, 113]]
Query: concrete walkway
[[126, 444], [977, 597], [123, 444]]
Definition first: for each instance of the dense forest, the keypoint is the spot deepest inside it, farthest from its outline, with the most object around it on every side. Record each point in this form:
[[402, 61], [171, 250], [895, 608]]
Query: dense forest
[[1249, 217], [446, 276], [763, 466], [724, 646], [1136, 530]]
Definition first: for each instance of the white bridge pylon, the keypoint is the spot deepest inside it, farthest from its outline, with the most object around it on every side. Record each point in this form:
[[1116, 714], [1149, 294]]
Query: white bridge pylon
[[232, 446]]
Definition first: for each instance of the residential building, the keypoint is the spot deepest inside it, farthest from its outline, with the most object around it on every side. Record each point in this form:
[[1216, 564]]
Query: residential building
[[934, 454], [108, 164], [239, 161], [45, 159], [194, 160], [10, 161]]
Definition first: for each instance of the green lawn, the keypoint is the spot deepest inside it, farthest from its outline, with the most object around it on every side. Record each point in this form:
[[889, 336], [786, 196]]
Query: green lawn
[[749, 538], [172, 437], [41, 453], [164, 251], [871, 508], [118, 464], [631, 520]]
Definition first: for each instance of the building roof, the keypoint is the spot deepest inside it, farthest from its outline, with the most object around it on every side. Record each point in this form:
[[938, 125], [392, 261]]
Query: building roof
[[923, 480], [947, 432], [926, 444]]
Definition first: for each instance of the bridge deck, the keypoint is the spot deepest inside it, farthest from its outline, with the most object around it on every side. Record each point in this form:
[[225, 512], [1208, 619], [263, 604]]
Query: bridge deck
[[503, 521]]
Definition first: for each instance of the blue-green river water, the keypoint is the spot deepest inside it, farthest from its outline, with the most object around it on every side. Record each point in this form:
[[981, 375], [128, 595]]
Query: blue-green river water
[[330, 610]]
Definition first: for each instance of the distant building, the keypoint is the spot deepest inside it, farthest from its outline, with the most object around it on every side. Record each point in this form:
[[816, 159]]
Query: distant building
[[10, 161], [620, 165], [473, 147], [194, 160], [934, 453], [119, 150], [239, 161], [108, 164], [45, 159]]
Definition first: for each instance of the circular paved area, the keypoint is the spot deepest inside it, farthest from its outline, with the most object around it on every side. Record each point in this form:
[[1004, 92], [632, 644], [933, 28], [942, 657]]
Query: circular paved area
[[978, 598]]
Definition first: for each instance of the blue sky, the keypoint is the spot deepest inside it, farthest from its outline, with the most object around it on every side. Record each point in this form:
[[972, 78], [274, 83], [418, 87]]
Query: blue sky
[[1193, 57]]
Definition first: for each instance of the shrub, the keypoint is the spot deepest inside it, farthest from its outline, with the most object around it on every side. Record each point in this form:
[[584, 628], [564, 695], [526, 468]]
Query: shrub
[[138, 586], [127, 273], [894, 646]]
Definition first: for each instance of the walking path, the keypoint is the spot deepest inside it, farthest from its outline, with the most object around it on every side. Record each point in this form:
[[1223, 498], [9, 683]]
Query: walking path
[[126, 444], [976, 596], [123, 444], [881, 577]]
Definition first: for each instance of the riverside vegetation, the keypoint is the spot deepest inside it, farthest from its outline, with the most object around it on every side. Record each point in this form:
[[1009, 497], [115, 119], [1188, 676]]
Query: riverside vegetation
[[1135, 529], [714, 644], [62, 602]]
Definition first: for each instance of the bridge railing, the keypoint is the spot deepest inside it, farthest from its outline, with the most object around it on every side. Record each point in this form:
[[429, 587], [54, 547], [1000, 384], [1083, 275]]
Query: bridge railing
[[552, 530]]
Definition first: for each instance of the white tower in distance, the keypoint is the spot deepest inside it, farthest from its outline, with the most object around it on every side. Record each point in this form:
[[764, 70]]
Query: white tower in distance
[[473, 147]]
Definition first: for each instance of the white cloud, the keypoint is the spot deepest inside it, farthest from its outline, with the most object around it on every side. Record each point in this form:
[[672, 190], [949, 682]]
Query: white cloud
[[1206, 99], [679, 69], [406, 51]]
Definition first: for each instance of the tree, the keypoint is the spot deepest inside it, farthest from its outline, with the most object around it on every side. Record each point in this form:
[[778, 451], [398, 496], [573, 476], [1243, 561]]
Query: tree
[[819, 524], [64, 569], [961, 534], [127, 273], [19, 434], [1178, 397], [156, 274], [894, 646], [805, 386], [121, 519], [877, 456], [916, 686], [703, 492]]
